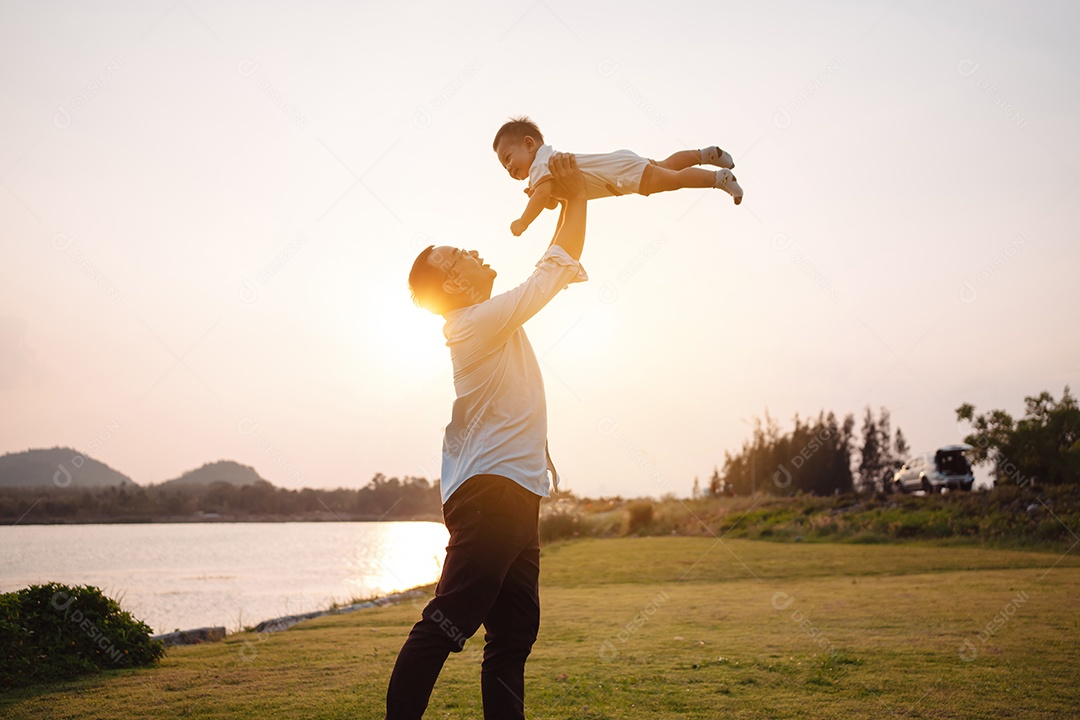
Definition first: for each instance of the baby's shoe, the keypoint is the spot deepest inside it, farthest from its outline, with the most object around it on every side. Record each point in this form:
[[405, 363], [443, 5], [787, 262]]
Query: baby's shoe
[[715, 156], [725, 180]]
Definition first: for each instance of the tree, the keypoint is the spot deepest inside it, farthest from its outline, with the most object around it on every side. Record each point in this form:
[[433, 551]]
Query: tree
[[870, 456], [716, 485], [888, 460], [902, 449], [1041, 447], [843, 478]]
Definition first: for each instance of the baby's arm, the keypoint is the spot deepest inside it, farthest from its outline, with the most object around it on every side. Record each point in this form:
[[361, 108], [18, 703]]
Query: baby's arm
[[553, 202], [541, 196]]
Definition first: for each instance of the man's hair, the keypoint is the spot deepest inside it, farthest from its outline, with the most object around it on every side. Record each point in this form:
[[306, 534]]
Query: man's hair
[[518, 128], [426, 283]]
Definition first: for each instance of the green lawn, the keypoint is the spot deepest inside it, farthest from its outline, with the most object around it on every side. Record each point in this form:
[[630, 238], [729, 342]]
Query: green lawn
[[670, 628]]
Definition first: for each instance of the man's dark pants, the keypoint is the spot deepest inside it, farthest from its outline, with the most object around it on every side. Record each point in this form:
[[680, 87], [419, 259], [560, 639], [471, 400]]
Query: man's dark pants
[[490, 577]]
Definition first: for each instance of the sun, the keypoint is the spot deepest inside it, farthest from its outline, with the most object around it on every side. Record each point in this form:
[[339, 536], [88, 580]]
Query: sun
[[402, 339]]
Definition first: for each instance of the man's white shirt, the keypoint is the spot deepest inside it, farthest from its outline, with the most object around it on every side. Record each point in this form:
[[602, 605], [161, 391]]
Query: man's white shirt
[[499, 421]]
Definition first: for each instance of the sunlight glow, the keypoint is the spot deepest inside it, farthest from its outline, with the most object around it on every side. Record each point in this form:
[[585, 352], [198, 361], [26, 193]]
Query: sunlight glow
[[404, 559], [401, 340]]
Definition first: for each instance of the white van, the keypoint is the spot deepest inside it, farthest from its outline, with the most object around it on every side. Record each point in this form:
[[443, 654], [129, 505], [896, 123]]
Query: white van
[[946, 467]]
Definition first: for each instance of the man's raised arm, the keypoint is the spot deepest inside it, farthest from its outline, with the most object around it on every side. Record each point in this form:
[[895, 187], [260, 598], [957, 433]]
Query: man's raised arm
[[569, 187]]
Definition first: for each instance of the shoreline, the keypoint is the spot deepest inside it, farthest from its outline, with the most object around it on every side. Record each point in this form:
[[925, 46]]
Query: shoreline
[[198, 636]]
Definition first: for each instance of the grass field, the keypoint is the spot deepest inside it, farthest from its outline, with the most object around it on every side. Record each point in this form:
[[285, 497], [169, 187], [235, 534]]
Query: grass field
[[676, 627]]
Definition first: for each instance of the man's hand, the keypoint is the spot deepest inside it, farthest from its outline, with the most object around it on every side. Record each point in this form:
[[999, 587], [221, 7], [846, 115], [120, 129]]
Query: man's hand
[[569, 182], [517, 227]]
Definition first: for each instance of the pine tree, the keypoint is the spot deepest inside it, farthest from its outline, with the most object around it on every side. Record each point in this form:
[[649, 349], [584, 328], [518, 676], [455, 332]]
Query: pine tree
[[870, 455], [715, 483], [902, 449], [885, 445]]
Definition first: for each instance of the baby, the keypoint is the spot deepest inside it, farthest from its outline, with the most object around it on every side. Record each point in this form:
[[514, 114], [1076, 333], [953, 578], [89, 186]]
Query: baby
[[521, 150]]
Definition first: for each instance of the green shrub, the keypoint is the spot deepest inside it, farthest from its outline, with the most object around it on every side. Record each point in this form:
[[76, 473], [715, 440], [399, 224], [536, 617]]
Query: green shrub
[[1050, 530], [55, 632]]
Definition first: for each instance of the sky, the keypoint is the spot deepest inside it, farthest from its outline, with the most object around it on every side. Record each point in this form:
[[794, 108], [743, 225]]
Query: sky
[[208, 212]]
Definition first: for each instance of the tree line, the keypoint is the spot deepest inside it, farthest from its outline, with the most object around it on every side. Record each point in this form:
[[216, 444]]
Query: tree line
[[825, 455], [381, 499], [819, 456]]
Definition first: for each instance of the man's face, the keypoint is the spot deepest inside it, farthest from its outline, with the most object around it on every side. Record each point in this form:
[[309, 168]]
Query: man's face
[[516, 155], [467, 277]]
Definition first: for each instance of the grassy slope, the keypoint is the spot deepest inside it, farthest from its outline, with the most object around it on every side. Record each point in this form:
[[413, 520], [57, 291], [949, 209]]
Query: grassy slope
[[674, 628], [1005, 517]]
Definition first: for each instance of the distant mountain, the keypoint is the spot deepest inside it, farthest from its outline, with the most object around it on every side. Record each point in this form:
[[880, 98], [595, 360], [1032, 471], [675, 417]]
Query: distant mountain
[[225, 471], [58, 467]]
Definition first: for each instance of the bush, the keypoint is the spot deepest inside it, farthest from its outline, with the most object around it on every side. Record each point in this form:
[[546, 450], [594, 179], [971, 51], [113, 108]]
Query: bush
[[639, 513], [55, 632], [559, 521]]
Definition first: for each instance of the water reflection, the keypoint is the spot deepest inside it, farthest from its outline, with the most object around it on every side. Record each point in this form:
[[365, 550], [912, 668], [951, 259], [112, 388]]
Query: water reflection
[[399, 558]]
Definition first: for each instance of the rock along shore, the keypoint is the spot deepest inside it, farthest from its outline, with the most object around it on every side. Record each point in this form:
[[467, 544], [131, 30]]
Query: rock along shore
[[213, 634]]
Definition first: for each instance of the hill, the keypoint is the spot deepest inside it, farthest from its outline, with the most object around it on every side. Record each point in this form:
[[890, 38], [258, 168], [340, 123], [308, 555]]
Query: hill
[[58, 467], [226, 471]]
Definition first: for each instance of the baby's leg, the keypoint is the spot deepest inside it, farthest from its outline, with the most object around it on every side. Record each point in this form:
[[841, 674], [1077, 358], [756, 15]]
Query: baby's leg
[[681, 160], [662, 179], [711, 155]]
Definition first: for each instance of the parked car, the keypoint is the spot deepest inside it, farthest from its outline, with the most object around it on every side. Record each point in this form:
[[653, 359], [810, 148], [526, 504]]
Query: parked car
[[946, 467]]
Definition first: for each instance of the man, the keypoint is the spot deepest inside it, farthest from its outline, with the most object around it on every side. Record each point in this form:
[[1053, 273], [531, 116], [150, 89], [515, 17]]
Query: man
[[494, 468]]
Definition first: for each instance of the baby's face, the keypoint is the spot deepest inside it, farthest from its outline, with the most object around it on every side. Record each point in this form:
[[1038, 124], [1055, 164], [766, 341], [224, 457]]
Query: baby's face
[[516, 155]]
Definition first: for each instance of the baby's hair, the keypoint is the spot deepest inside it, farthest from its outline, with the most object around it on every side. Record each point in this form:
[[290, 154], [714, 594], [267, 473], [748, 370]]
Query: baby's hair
[[518, 128]]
